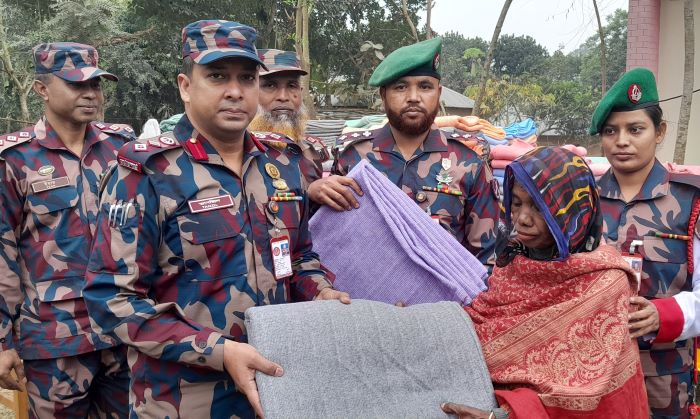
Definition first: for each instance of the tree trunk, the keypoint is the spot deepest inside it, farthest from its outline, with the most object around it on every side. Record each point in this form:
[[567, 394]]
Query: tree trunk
[[20, 85], [428, 30], [302, 45], [489, 57], [688, 83], [603, 60], [404, 8]]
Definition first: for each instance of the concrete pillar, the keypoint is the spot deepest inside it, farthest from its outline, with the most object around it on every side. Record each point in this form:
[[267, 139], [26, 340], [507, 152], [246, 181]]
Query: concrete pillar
[[643, 19]]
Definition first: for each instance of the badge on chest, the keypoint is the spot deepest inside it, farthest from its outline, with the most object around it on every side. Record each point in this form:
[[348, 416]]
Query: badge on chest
[[46, 185]]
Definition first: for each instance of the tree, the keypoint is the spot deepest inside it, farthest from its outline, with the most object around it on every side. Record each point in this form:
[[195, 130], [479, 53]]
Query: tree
[[517, 55], [301, 39], [489, 55], [603, 63], [616, 52], [688, 82], [461, 60]]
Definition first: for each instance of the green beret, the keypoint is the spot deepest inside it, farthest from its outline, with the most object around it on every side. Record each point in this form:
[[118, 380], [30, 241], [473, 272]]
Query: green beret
[[421, 59], [636, 89]]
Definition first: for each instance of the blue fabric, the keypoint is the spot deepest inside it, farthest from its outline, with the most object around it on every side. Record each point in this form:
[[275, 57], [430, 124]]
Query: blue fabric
[[522, 129]]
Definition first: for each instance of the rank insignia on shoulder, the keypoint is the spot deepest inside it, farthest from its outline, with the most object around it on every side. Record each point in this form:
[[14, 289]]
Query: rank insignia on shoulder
[[129, 129], [129, 164], [100, 125], [23, 134], [140, 147], [167, 140], [12, 138]]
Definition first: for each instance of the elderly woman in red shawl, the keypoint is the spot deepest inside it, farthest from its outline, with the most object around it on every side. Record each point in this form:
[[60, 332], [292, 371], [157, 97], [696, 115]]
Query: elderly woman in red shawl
[[553, 323]]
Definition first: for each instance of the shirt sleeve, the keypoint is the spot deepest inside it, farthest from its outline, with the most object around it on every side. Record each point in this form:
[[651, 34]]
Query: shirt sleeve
[[689, 301], [122, 269], [11, 212], [481, 217]]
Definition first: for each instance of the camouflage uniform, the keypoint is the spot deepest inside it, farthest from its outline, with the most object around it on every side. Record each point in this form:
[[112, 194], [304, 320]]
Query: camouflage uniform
[[472, 217], [663, 205], [182, 250], [315, 151], [47, 219]]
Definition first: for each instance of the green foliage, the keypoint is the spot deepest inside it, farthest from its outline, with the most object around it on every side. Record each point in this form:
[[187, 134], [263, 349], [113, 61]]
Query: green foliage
[[518, 55], [139, 40]]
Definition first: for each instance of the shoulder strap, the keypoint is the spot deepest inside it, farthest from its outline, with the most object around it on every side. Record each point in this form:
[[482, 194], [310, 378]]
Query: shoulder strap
[[135, 154], [14, 139]]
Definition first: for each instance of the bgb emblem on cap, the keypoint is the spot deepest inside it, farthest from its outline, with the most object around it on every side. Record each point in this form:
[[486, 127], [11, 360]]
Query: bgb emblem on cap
[[436, 61], [634, 93]]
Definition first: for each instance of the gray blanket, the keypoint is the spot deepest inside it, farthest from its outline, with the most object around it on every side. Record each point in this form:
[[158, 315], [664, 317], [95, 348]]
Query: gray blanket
[[368, 360]]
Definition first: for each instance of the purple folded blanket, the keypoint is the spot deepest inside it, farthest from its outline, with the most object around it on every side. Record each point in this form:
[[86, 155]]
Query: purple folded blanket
[[389, 250]]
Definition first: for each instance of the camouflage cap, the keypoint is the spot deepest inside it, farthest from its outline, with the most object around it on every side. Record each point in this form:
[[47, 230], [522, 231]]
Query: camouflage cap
[[277, 60], [206, 41], [68, 60], [635, 90]]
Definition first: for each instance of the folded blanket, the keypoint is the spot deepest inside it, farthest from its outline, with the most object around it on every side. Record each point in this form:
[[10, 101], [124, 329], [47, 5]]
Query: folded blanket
[[522, 129], [500, 164], [390, 250], [511, 152], [368, 360], [578, 150]]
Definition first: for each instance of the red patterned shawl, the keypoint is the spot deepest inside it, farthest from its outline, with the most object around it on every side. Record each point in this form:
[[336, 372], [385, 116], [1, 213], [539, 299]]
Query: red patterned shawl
[[555, 337]]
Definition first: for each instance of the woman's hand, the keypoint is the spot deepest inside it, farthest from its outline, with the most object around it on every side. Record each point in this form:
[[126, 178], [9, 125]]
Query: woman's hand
[[645, 319]]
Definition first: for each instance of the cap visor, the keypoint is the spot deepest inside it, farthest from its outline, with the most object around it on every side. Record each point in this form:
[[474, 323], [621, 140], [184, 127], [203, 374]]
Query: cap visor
[[215, 55], [272, 70], [84, 74]]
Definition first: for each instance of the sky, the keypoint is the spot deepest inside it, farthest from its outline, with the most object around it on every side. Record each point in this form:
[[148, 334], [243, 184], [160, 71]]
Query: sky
[[554, 24]]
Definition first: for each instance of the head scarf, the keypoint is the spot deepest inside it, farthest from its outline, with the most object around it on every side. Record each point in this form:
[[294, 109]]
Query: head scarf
[[563, 188]]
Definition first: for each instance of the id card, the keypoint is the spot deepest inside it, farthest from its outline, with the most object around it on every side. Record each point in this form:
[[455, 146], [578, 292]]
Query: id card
[[635, 262], [281, 257]]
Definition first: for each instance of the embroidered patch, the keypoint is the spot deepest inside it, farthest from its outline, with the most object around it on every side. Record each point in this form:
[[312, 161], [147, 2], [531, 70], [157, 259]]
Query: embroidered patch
[[210, 204]]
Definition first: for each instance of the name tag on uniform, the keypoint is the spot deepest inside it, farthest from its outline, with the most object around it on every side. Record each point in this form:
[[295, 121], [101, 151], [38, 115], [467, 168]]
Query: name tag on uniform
[[46, 185], [210, 204], [281, 257]]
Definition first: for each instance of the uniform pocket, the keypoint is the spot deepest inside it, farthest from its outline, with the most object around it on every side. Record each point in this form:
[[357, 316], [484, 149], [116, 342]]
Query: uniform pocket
[[54, 213], [656, 249], [119, 226], [212, 244], [60, 289]]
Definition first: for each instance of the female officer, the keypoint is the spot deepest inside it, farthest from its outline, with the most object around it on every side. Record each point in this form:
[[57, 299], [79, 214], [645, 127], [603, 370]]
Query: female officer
[[652, 214]]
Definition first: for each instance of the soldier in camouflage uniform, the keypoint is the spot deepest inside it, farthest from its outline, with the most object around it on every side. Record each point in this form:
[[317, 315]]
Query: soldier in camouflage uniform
[[195, 227], [437, 170], [282, 111], [658, 211], [49, 176]]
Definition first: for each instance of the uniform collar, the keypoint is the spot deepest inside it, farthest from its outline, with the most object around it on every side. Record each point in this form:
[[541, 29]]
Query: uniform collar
[[48, 137], [184, 132], [434, 142], [656, 184]]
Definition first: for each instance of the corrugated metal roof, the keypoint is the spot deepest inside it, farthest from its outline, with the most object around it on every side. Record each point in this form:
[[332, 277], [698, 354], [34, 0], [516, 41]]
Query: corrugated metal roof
[[453, 99]]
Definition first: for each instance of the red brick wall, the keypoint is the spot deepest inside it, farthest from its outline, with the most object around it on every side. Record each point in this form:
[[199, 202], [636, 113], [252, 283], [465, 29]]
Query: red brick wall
[[643, 34]]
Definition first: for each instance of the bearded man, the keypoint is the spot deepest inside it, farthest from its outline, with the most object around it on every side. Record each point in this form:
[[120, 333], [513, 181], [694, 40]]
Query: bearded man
[[281, 111], [435, 169]]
